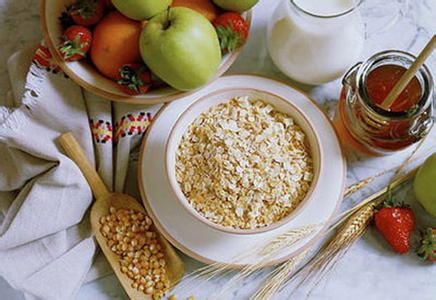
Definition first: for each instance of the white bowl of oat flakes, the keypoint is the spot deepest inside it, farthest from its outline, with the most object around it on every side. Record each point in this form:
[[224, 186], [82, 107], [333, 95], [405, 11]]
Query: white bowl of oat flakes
[[243, 161]]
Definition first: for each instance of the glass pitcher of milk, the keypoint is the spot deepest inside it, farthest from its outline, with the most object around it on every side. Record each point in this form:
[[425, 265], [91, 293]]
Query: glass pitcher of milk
[[316, 41]]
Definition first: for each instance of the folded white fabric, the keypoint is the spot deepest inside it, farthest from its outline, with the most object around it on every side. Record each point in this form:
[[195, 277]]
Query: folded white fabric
[[46, 246], [43, 241]]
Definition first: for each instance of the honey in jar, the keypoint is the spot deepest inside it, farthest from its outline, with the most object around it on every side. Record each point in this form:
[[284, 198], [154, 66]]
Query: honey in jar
[[365, 126]]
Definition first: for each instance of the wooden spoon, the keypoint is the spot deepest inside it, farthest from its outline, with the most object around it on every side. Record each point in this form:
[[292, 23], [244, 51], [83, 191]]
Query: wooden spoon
[[409, 74], [104, 200]]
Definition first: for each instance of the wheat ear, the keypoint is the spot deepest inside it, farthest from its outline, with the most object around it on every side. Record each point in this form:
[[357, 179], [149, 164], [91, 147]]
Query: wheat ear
[[364, 182], [346, 235], [278, 277], [266, 253]]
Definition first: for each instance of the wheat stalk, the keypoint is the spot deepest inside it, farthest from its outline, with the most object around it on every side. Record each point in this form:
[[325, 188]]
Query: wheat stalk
[[266, 253], [394, 184], [329, 254], [364, 182], [263, 253], [346, 235], [278, 277], [287, 239], [361, 184]]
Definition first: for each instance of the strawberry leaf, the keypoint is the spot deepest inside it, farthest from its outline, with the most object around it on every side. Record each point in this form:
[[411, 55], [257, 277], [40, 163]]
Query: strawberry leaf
[[72, 47], [428, 245], [391, 201], [131, 78], [229, 39]]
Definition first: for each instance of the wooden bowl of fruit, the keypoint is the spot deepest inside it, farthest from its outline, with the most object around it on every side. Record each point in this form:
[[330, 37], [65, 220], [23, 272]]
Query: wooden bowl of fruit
[[147, 51]]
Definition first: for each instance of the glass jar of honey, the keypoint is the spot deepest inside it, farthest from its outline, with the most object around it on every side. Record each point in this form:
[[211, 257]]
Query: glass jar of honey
[[365, 126]]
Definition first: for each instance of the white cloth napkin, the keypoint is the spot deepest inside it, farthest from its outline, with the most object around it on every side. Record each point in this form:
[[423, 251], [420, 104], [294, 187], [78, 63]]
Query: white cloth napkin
[[46, 246]]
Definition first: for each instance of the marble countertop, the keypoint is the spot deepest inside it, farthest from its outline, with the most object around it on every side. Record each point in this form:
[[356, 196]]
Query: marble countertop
[[369, 270]]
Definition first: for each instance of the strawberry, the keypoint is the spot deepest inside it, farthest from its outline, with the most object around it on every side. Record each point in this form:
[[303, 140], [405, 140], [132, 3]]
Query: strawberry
[[135, 79], [77, 42], [232, 31], [395, 223], [87, 12], [427, 251]]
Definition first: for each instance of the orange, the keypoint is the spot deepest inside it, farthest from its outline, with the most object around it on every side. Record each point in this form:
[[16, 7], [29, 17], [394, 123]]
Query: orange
[[205, 7], [115, 43]]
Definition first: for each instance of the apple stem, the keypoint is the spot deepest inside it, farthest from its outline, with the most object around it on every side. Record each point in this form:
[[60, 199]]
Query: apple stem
[[167, 24]]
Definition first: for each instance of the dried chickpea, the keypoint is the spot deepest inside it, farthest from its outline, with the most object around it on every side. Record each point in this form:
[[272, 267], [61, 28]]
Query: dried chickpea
[[149, 290], [141, 259]]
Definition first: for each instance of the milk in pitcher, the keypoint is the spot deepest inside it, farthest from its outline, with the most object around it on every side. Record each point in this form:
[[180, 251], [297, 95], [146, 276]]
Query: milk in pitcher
[[315, 41]]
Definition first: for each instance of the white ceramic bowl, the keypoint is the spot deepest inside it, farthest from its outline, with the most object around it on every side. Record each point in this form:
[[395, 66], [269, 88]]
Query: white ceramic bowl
[[87, 76], [222, 96]]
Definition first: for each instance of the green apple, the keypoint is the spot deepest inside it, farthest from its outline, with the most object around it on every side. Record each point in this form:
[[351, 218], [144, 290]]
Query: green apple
[[425, 185], [141, 9], [236, 5], [181, 47]]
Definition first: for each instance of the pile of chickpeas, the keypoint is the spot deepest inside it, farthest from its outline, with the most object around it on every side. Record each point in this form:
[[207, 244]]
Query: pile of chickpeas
[[128, 234]]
